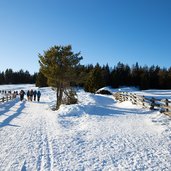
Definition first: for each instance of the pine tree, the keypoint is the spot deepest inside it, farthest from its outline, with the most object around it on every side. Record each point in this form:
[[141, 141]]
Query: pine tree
[[2, 78], [154, 77], [145, 80], [41, 80], [106, 75], [136, 74], [169, 79], [94, 80], [58, 65], [163, 78], [9, 76]]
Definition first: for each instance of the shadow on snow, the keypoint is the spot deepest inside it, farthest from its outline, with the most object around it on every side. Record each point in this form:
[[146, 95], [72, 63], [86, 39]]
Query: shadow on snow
[[103, 106], [5, 107], [105, 111], [7, 121]]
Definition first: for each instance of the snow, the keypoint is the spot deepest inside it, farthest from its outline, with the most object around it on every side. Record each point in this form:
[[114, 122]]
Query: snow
[[96, 134]]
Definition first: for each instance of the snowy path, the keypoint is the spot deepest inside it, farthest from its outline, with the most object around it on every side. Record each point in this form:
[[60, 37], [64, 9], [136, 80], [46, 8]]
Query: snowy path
[[25, 141], [96, 134]]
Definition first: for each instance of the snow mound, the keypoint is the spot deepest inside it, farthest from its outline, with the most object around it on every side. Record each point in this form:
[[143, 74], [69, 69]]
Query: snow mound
[[128, 105]]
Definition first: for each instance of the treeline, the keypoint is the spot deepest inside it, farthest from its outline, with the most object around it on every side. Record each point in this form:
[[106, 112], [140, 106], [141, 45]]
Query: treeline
[[21, 77], [94, 77]]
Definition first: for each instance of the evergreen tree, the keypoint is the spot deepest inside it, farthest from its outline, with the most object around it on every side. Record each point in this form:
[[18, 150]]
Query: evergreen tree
[[106, 75], [145, 80], [114, 78], [169, 79], [2, 78], [81, 74], [94, 80], [33, 78], [154, 77], [163, 78], [120, 75], [9, 76], [58, 65], [41, 80], [136, 75]]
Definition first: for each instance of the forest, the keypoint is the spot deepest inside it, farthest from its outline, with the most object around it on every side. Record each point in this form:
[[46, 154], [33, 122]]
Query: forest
[[92, 77], [17, 77]]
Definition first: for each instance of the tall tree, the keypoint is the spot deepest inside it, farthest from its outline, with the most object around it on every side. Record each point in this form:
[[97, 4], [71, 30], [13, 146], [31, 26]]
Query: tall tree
[[136, 74], [9, 76], [120, 75], [163, 78], [154, 77], [169, 79], [2, 78], [145, 80], [58, 65], [106, 74], [41, 80], [94, 80]]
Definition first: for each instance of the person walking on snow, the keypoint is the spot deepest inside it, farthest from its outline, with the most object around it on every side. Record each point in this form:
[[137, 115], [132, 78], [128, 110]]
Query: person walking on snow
[[34, 94], [22, 93], [28, 95], [31, 95], [38, 95]]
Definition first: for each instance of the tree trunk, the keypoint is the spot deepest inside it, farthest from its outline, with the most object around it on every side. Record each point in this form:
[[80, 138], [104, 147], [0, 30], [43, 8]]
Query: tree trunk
[[57, 99], [59, 96]]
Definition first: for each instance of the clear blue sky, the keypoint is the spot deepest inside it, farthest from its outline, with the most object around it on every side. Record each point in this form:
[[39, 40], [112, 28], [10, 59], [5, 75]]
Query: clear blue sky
[[105, 31]]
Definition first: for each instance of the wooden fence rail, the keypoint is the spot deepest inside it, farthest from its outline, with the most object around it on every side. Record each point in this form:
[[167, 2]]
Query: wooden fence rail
[[163, 105], [7, 98]]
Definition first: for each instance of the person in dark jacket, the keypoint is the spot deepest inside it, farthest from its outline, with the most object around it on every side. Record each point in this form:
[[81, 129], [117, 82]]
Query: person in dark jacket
[[38, 95], [31, 95], [28, 95], [34, 94], [22, 93]]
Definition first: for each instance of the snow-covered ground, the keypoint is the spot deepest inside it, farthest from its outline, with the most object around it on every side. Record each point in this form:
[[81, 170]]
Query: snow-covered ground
[[96, 134]]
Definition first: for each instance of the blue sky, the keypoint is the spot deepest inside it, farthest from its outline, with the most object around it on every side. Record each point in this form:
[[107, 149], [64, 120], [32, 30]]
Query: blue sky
[[105, 31]]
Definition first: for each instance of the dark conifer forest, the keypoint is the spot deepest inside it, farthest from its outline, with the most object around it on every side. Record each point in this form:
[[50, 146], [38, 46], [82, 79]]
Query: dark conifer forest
[[19, 77], [92, 77]]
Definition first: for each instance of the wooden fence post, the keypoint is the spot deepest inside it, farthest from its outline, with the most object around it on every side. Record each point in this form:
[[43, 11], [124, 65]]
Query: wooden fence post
[[135, 99], [152, 103], [131, 98], [126, 98], [167, 104], [143, 101]]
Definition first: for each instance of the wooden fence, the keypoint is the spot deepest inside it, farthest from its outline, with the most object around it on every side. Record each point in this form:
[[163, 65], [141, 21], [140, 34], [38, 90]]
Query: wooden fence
[[152, 103], [7, 97]]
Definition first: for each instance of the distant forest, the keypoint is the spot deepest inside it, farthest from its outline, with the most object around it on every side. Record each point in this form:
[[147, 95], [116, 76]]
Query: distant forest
[[21, 77], [91, 77], [94, 77]]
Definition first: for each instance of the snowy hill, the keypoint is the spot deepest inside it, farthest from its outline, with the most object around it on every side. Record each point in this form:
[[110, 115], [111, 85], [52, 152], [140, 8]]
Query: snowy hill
[[96, 134]]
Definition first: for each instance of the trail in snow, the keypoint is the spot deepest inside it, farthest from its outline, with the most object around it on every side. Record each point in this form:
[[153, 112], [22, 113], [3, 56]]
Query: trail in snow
[[24, 141], [96, 134]]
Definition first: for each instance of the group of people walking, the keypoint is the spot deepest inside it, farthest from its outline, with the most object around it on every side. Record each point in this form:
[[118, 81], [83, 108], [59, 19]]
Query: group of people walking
[[31, 95]]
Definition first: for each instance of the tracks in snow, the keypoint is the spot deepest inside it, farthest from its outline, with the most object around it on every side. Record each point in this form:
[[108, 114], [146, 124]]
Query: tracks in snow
[[27, 145], [96, 135]]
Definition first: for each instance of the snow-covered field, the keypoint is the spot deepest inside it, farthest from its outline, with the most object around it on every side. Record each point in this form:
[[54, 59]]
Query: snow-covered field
[[96, 134]]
